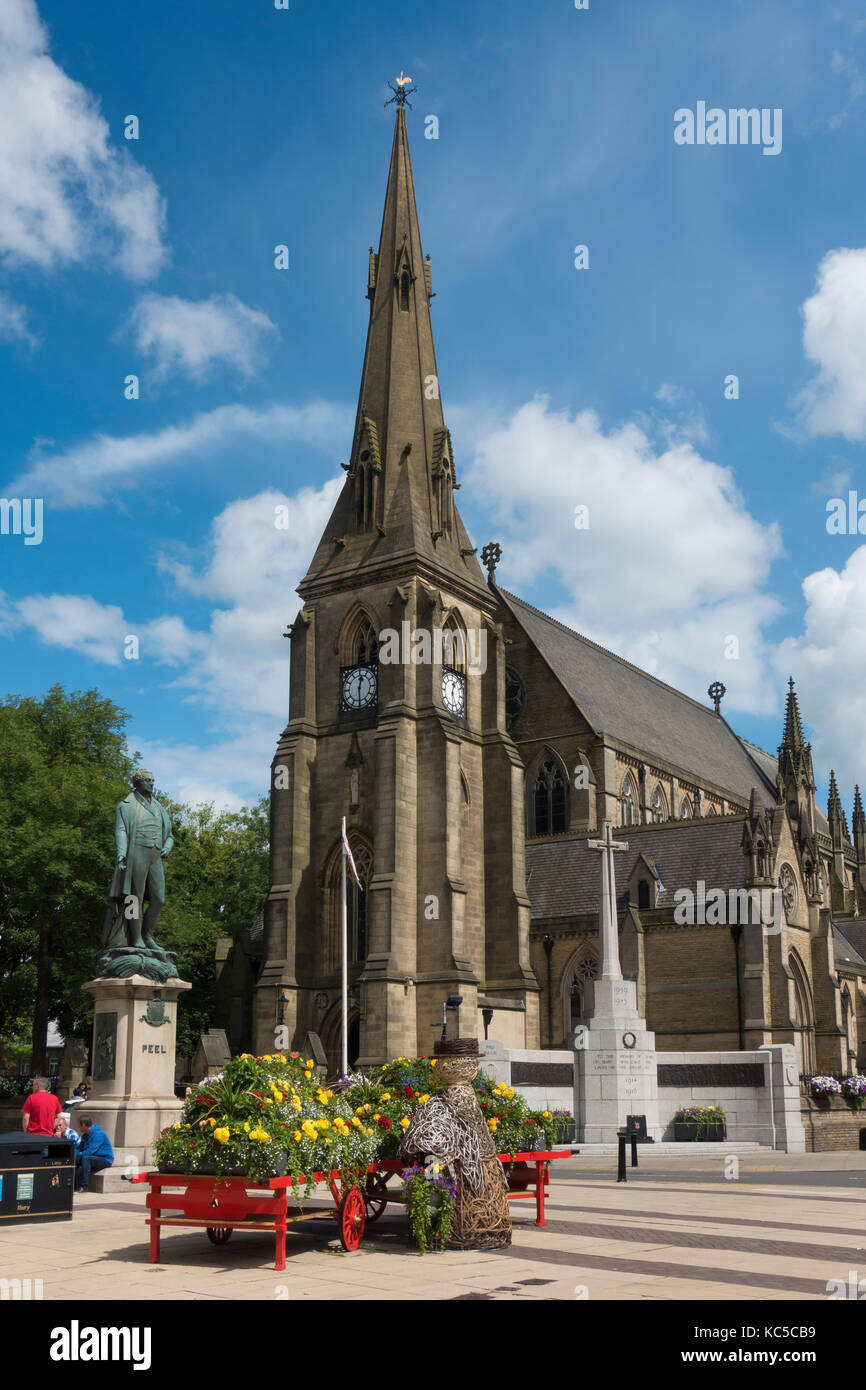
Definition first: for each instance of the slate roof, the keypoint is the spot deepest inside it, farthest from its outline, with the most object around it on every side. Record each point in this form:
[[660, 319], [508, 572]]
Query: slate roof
[[564, 876], [637, 709], [849, 941]]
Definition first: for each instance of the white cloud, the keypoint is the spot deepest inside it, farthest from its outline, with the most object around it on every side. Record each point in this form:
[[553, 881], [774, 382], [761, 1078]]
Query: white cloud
[[66, 193], [90, 473], [672, 563], [13, 322], [99, 631], [191, 339], [834, 338], [229, 773], [828, 663], [237, 667]]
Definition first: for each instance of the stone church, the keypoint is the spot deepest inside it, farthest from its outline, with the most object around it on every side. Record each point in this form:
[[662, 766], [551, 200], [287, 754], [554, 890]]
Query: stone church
[[473, 743]]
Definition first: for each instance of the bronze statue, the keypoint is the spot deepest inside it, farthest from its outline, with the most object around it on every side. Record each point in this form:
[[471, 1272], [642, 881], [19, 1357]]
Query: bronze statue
[[143, 839]]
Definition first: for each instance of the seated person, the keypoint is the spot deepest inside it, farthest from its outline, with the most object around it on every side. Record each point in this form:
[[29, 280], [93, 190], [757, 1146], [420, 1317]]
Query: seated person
[[63, 1129], [94, 1152]]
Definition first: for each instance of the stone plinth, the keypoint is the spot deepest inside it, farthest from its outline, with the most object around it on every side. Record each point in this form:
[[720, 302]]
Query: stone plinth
[[134, 1028], [616, 1069]]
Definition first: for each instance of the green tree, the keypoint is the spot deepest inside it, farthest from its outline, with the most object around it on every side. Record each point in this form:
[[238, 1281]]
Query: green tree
[[65, 765], [216, 884]]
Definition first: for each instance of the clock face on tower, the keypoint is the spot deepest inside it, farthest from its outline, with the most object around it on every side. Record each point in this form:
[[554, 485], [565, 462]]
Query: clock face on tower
[[359, 686], [453, 691]]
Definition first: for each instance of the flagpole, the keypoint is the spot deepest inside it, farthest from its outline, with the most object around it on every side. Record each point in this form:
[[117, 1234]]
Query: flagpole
[[345, 954]]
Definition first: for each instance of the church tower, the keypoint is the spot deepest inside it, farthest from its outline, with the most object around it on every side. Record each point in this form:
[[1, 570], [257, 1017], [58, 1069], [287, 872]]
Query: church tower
[[397, 722]]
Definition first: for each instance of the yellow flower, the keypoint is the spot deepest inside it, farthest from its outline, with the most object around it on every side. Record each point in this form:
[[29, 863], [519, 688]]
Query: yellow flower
[[386, 1095], [356, 1122], [510, 1092], [309, 1066], [177, 1126], [212, 1122], [433, 1061], [328, 1141], [422, 1100], [404, 1123], [278, 1096], [377, 1117], [297, 1136], [221, 1135], [267, 1059], [246, 1128], [545, 1114]]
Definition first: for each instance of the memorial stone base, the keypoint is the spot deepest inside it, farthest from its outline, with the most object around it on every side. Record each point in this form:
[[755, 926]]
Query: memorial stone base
[[616, 1071], [132, 1098]]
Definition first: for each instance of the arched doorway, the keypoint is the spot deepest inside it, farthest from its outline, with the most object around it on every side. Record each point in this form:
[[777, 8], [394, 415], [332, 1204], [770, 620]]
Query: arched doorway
[[803, 1016]]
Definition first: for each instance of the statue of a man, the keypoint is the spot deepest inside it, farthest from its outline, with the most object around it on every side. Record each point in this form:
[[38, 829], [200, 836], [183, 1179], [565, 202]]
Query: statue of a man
[[142, 835]]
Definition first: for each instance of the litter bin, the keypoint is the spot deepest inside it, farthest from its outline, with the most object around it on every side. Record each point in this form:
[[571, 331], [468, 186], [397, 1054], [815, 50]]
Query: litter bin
[[37, 1175]]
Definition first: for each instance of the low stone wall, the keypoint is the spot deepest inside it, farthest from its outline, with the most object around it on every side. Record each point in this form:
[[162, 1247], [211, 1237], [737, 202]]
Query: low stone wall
[[738, 1082], [758, 1091], [831, 1124], [546, 1080]]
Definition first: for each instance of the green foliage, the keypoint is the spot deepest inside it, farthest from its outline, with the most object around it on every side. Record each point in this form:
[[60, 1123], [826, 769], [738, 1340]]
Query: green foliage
[[430, 1194], [216, 883], [66, 765]]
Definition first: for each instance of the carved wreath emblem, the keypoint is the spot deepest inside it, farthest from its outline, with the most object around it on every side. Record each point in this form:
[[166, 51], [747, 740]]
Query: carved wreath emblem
[[155, 1011]]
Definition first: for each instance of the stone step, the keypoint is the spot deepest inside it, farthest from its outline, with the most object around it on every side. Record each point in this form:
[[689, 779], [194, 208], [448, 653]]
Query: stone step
[[110, 1180], [668, 1149]]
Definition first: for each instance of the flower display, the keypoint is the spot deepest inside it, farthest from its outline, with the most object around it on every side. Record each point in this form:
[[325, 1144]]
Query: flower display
[[266, 1115], [854, 1089], [430, 1195], [400, 1088], [825, 1086]]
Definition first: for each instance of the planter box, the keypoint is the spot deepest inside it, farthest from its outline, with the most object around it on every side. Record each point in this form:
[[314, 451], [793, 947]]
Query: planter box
[[689, 1131]]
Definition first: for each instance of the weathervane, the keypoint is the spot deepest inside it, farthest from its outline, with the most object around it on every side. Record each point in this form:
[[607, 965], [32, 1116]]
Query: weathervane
[[401, 91]]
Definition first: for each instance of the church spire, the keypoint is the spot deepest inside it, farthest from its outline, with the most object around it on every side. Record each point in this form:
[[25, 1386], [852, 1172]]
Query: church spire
[[397, 503], [792, 738], [835, 810], [796, 781]]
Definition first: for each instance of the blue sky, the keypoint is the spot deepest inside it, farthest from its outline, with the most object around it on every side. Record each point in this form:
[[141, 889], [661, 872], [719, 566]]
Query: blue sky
[[601, 387]]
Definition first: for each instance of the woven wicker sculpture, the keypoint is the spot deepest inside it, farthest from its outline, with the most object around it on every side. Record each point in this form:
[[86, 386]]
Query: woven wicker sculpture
[[451, 1129]]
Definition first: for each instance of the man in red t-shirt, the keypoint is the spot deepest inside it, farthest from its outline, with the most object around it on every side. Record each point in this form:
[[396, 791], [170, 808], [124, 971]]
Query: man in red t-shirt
[[39, 1109]]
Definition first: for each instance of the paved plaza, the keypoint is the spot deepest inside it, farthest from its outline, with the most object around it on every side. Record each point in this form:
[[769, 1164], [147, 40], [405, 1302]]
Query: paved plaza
[[678, 1229]]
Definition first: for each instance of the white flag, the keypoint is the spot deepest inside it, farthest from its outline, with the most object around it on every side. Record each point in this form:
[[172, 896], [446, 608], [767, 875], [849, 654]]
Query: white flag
[[348, 853]]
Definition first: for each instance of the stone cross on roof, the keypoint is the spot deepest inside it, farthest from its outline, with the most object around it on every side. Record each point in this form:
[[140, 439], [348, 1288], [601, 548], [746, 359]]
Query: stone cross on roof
[[608, 936]]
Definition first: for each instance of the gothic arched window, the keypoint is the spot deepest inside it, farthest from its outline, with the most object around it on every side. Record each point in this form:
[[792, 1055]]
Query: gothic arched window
[[627, 802], [686, 811], [549, 816], [357, 905], [586, 970], [366, 643], [659, 805]]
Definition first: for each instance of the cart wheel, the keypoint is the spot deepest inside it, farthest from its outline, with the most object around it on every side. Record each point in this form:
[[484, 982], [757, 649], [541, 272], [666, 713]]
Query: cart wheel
[[352, 1219], [376, 1199], [218, 1235]]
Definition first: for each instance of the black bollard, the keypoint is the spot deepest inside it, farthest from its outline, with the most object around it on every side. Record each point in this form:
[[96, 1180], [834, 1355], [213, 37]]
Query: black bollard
[[620, 1174], [634, 1150]]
